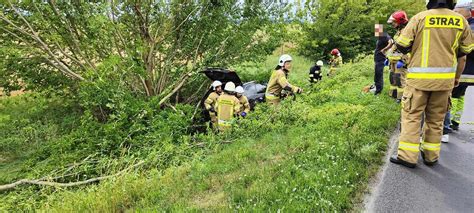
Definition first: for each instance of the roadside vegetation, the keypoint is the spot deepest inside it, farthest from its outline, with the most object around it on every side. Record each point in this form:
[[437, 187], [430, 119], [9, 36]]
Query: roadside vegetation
[[314, 153], [112, 89]]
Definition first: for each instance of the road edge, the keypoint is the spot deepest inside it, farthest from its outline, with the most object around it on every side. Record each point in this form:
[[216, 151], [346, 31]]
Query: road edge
[[376, 180]]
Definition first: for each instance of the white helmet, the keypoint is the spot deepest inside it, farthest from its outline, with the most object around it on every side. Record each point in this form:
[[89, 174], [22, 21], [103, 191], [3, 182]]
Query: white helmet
[[229, 86], [239, 90], [283, 59], [216, 84], [320, 63]]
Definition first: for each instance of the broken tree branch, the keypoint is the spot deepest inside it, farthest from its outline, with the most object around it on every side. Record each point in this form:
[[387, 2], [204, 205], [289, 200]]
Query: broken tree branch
[[176, 89], [71, 184]]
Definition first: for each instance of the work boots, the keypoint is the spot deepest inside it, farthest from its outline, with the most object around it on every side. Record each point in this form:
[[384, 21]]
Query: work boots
[[427, 162], [394, 159]]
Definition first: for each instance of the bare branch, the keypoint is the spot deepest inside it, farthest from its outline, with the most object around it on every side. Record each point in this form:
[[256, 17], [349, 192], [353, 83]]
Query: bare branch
[[176, 89], [35, 35], [71, 184]]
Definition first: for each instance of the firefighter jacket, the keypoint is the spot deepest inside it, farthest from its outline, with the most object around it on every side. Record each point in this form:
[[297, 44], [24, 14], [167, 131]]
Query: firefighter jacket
[[435, 36], [394, 56], [227, 107], [467, 77], [244, 104], [211, 101], [278, 81], [315, 73], [336, 61]]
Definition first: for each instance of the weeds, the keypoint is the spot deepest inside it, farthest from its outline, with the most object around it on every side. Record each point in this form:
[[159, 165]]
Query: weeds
[[313, 154]]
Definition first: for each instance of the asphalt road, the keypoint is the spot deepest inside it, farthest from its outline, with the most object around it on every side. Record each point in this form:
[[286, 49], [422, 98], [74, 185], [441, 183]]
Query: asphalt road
[[446, 187]]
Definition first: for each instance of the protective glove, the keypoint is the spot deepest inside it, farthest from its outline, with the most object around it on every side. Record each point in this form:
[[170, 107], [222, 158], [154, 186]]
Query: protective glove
[[299, 90], [212, 109], [400, 64], [456, 82], [243, 114], [386, 62]]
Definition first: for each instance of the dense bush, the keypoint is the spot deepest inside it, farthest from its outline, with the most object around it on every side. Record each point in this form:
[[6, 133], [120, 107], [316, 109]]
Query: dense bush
[[150, 48], [347, 25], [315, 153]]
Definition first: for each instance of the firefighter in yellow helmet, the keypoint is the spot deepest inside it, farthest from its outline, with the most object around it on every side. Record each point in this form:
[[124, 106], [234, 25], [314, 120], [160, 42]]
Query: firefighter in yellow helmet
[[227, 107], [335, 62], [211, 100], [279, 81], [244, 101], [397, 61], [435, 38]]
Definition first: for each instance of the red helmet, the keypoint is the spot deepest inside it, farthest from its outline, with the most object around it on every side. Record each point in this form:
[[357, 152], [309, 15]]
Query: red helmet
[[399, 17], [335, 52]]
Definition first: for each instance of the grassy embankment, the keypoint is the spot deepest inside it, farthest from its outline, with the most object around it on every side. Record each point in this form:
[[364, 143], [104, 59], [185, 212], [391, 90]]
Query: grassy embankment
[[315, 153]]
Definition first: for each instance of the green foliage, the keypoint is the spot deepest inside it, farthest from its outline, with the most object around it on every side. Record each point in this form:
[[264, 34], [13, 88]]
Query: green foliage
[[347, 25], [43, 136], [153, 45], [312, 154]]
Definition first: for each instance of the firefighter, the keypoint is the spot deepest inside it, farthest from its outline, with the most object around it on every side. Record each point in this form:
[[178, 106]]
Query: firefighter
[[315, 72], [467, 76], [243, 101], [397, 61], [452, 120], [279, 81], [436, 38], [211, 100], [227, 107], [335, 62]]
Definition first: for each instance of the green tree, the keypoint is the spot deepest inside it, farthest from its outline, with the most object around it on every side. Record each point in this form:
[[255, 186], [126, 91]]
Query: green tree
[[347, 25], [152, 48]]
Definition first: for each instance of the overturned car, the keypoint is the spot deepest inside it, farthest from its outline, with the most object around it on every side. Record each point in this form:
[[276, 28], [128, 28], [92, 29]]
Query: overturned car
[[255, 92]]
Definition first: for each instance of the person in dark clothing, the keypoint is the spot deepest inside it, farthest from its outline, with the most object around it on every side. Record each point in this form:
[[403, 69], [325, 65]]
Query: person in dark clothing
[[453, 116], [315, 74], [384, 42]]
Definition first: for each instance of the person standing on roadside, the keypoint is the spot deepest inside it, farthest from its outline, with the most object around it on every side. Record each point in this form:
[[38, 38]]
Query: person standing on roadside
[[435, 38], [466, 80], [384, 42]]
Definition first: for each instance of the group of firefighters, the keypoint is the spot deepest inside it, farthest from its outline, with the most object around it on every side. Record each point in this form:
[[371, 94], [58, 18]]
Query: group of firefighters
[[431, 66], [428, 57], [225, 105]]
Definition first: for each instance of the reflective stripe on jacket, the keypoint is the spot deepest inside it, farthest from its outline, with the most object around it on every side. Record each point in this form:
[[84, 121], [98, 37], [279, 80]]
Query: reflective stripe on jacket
[[278, 81], [227, 106], [336, 61], [244, 104], [435, 37], [211, 100]]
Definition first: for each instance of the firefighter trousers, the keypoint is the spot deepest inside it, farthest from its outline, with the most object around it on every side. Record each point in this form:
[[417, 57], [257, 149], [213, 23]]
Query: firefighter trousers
[[434, 104], [213, 120], [397, 84]]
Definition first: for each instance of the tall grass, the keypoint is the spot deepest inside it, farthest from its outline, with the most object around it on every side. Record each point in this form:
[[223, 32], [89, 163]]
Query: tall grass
[[313, 154]]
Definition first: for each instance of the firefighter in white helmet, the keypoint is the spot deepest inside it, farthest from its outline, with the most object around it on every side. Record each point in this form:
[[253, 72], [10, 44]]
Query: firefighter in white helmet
[[315, 74], [279, 81], [227, 107], [211, 100], [244, 102]]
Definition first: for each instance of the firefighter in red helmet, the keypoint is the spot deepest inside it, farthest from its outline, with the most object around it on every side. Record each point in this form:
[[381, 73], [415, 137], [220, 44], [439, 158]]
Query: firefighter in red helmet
[[397, 61], [335, 62]]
